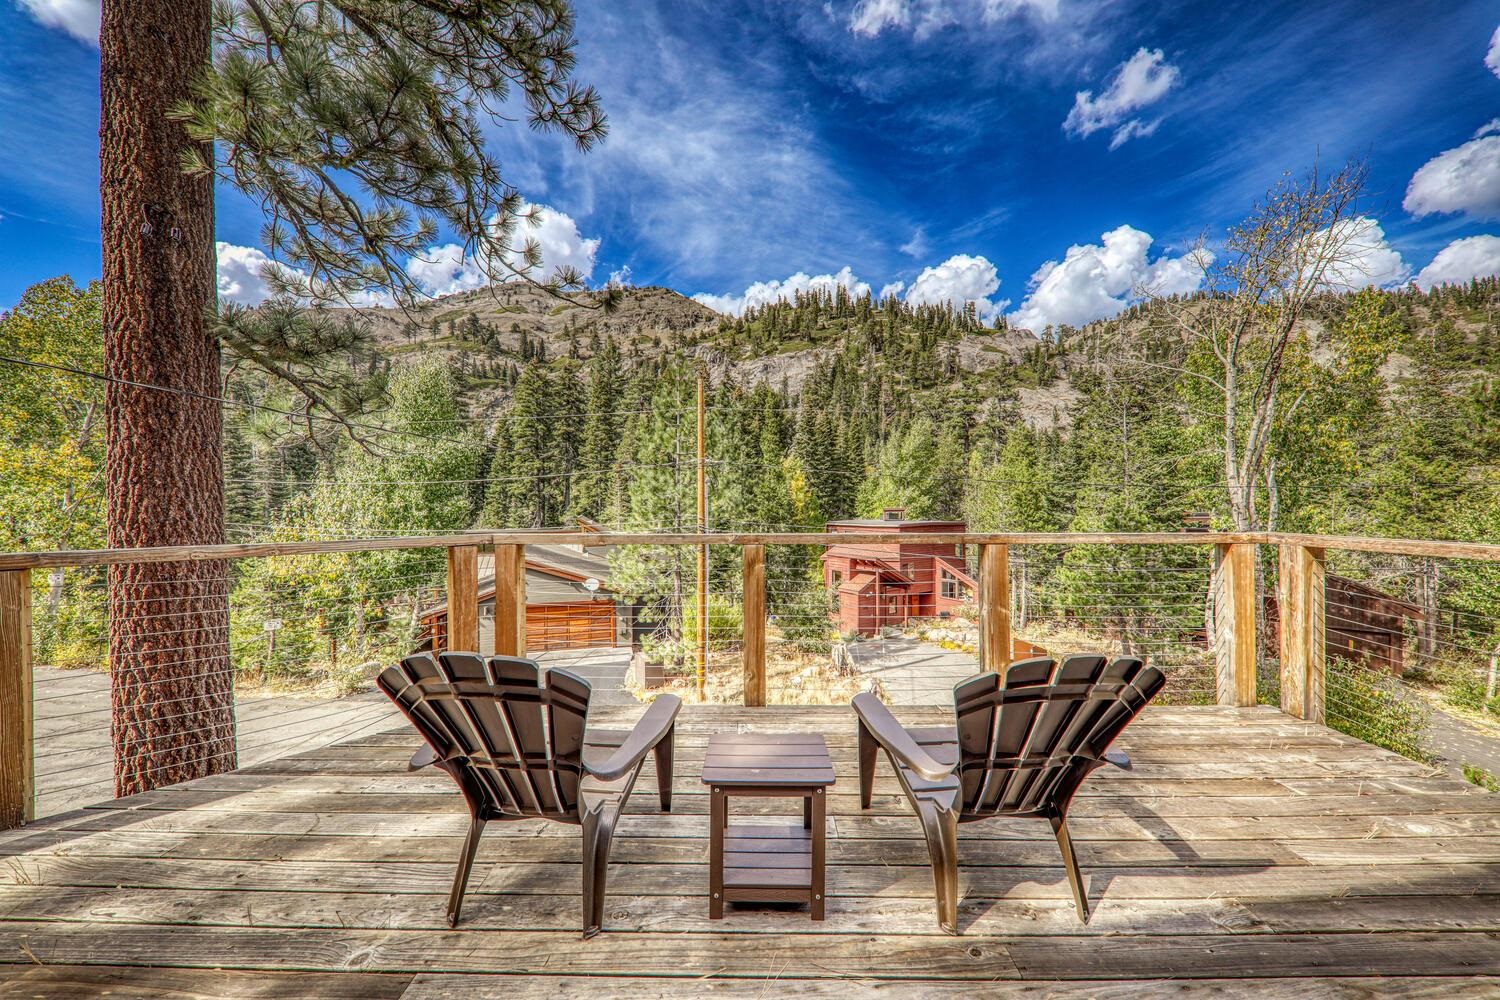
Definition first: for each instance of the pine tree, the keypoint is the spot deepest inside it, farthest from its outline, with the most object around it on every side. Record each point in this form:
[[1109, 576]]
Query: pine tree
[[601, 432]]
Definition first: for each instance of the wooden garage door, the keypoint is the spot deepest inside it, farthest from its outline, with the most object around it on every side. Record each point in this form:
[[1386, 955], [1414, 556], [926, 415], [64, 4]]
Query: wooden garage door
[[569, 626]]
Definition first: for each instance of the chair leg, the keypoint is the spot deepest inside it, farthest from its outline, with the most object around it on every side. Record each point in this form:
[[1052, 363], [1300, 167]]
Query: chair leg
[[465, 864], [1070, 862], [663, 756], [940, 826], [867, 751], [598, 831]]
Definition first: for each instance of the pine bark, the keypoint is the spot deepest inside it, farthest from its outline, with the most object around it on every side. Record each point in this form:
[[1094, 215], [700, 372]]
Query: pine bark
[[172, 691]]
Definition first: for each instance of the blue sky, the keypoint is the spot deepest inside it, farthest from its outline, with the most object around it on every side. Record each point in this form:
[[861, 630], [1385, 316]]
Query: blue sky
[[933, 148]]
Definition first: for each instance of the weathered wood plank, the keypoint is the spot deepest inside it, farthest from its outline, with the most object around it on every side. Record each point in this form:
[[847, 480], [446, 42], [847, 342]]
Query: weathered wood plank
[[1300, 595], [463, 598], [673, 914], [994, 607], [17, 776], [491, 987], [68, 982], [891, 956], [753, 653]]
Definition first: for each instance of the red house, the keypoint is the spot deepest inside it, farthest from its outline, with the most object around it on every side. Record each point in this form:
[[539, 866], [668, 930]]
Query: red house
[[878, 585]]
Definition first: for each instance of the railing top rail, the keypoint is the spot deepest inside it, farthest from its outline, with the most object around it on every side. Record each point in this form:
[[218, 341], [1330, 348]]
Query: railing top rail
[[194, 553]]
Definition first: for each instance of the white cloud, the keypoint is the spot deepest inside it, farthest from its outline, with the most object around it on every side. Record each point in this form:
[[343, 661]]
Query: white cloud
[[1365, 258], [79, 18], [1491, 127], [924, 17], [764, 292], [621, 278], [1463, 179], [917, 246], [894, 288], [242, 278], [446, 269], [1141, 80], [442, 270], [1462, 260], [959, 279], [240, 274], [1492, 57], [1096, 281]]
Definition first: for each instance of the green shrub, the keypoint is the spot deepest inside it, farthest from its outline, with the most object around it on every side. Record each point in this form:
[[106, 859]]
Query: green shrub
[[1479, 776], [804, 620], [1370, 706]]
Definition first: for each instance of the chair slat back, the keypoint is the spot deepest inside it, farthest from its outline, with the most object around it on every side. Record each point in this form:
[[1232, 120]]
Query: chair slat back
[[1026, 744], [508, 731]]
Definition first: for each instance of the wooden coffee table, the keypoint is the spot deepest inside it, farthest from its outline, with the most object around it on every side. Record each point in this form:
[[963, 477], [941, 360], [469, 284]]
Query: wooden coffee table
[[762, 862]]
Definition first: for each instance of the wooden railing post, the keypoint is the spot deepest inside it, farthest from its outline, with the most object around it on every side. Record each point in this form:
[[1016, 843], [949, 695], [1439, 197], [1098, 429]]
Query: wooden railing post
[[510, 600], [994, 607], [1234, 623], [754, 586], [463, 598], [1299, 599], [17, 779]]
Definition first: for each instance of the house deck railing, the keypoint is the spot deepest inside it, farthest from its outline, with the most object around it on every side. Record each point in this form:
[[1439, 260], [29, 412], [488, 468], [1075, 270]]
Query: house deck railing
[[1241, 570]]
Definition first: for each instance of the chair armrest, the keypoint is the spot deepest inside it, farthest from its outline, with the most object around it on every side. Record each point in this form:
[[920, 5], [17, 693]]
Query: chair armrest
[[648, 732], [1119, 758], [422, 758], [897, 741]]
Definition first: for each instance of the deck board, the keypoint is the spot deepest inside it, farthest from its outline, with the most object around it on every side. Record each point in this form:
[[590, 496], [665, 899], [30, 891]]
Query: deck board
[[1246, 854]]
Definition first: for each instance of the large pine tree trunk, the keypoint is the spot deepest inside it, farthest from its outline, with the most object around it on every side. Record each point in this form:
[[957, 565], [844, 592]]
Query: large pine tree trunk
[[173, 695]]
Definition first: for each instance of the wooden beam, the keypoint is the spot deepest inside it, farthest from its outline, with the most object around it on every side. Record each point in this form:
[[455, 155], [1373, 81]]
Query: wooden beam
[[1234, 624], [1300, 600], [994, 607], [463, 598], [754, 628], [261, 550], [17, 779], [510, 599]]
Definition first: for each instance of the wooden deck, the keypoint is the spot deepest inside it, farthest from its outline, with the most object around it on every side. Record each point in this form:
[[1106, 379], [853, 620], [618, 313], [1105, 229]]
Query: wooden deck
[[1246, 854]]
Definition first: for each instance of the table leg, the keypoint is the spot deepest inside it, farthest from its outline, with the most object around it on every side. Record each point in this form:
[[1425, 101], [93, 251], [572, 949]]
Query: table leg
[[717, 818], [817, 803]]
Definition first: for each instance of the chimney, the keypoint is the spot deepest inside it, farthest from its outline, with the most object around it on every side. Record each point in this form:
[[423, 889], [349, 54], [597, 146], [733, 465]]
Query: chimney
[[893, 514]]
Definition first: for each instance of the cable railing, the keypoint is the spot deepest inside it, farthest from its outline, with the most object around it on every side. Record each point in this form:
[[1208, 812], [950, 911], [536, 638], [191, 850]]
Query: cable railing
[[123, 670]]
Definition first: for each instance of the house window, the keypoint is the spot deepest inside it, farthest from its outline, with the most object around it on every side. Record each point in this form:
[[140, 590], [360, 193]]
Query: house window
[[952, 589]]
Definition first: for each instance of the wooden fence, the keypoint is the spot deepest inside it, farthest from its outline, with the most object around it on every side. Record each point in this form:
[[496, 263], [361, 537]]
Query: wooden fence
[[1300, 597]]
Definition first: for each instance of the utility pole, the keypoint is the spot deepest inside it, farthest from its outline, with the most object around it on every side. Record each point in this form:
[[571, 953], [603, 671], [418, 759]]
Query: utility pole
[[702, 549]]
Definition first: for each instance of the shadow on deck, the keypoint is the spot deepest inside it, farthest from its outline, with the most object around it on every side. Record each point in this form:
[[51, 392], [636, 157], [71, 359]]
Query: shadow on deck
[[1247, 853]]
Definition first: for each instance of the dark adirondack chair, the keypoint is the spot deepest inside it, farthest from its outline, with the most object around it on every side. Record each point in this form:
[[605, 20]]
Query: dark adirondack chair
[[512, 736], [1019, 748]]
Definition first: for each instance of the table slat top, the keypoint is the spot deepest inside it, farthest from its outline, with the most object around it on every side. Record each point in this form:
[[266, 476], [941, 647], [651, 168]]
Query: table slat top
[[783, 760]]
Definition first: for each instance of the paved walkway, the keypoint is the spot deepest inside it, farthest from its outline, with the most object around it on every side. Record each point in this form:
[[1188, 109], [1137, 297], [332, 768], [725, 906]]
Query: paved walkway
[[1456, 742], [73, 755], [913, 672]]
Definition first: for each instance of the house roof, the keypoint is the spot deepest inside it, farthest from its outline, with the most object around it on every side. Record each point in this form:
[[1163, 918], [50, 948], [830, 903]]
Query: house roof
[[857, 584], [568, 566]]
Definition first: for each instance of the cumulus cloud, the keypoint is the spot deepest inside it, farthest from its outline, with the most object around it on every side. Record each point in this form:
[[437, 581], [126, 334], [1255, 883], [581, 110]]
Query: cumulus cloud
[[1139, 82], [894, 288], [958, 280], [446, 269], [1464, 179], [923, 17], [765, 292], [1096, 281], [1461, 261], [1365, 258], [1492, 57], [240, 270], [442, 270], [79, 18]]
